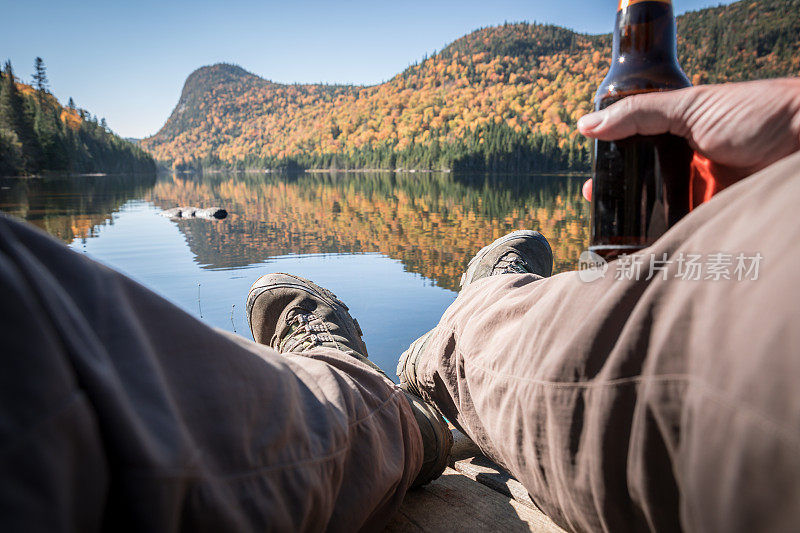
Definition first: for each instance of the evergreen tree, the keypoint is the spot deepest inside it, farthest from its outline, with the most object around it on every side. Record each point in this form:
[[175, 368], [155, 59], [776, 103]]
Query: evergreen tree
[[40, 77], [13, 119], [33, 136], [10, 103]]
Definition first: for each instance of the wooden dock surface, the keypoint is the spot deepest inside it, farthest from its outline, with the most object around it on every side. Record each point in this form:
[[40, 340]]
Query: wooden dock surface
[[473, 494]]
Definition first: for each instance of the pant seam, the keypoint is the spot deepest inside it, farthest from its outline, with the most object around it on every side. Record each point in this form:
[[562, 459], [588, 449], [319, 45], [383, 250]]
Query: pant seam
[[395, 394], [167, 474], [695, 382], [170, 474], [350, 359]]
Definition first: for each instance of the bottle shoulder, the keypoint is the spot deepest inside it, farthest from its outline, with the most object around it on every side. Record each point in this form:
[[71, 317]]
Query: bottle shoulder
[[632, 76]]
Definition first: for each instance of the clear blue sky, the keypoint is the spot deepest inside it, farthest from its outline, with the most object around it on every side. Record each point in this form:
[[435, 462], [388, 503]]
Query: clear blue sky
[[127, 60]]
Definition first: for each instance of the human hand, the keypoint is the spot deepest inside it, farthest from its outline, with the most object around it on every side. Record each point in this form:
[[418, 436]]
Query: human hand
[[736, 129]]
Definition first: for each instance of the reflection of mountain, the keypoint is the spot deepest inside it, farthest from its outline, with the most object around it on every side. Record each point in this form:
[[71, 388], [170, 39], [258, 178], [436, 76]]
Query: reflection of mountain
[[71, 208], [432, 223]]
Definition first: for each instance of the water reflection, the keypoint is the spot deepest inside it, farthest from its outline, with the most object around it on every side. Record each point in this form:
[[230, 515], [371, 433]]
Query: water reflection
[[319, 226], [432, 223], [71, 208]]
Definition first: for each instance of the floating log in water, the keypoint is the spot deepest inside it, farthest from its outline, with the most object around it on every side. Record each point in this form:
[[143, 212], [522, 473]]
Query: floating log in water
[[208, 213]]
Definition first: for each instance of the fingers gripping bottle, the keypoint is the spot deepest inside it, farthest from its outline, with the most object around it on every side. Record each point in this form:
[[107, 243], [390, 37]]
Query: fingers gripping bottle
[[641, 184]]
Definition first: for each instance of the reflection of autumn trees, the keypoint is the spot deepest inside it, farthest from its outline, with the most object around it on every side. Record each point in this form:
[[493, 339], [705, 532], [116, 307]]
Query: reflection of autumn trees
[[71, 208], [432, 223]]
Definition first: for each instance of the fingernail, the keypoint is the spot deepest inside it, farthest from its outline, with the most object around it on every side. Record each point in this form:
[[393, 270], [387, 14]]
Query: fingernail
[[590, 121]]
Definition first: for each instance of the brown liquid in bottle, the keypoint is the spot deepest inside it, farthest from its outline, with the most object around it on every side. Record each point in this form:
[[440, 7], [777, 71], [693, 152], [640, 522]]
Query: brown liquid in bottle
[[641, 184]]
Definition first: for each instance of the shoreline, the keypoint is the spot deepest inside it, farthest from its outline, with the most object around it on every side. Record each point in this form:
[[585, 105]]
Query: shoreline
[[74, 175], [376, 170]]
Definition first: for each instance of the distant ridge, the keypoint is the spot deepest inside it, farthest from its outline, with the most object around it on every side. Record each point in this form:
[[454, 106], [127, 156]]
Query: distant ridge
[[499, 98]]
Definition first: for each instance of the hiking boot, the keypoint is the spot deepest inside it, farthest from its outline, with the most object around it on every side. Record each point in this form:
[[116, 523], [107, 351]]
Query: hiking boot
[[407, 365], [433, 427], [519, 252], [437, 440], [292, 314]]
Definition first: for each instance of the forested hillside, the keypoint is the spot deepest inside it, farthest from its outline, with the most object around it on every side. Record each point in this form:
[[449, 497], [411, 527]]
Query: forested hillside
[[38, 134], [500, 98]]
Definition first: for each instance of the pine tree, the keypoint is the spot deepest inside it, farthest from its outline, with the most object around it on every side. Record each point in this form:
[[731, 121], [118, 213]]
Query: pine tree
[[34, 138], [10, 103], [13, 119], [40, 77], [45, 125]]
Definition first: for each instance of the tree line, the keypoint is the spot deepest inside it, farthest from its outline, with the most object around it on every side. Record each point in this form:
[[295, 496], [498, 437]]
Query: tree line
[[37, 134], [495, 148]]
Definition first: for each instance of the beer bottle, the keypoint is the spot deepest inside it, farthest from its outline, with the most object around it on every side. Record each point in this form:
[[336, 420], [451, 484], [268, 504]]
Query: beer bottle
[[641, 184]]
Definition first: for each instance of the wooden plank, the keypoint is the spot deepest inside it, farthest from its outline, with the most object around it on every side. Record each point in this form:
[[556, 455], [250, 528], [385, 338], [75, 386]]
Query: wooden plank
[[466, 458], [463, 447], [455, 502], [487, 473]]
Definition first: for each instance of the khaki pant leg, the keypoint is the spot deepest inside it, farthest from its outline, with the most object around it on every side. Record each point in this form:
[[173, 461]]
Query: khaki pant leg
[[644, 404], [119, 410]]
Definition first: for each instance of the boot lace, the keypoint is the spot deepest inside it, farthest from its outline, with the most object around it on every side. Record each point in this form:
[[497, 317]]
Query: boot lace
[[511, 263], [305, 332]]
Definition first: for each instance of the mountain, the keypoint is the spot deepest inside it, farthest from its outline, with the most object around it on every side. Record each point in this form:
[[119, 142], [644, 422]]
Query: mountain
[[38, 134], [499, 98]]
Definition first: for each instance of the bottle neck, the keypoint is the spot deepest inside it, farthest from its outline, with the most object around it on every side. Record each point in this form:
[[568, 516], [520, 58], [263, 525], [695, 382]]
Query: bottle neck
[[644, 30]]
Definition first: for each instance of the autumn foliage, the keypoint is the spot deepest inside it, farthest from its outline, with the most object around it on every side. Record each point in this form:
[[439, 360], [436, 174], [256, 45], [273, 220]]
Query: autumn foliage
[[500, 98]]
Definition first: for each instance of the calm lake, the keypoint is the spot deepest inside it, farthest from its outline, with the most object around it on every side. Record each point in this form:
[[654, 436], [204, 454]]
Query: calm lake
[[392, 246]]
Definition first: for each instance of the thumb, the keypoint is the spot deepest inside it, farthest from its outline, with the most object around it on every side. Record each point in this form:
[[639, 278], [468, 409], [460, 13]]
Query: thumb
[[642, 114]]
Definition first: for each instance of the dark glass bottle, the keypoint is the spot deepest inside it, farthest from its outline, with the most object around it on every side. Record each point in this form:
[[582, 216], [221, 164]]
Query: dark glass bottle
[[641, 184]]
